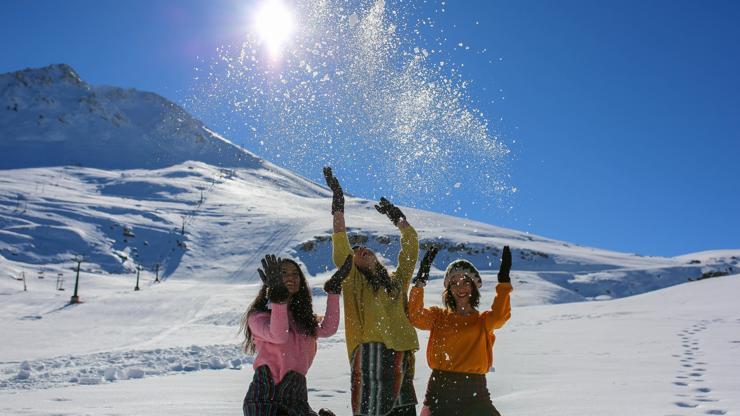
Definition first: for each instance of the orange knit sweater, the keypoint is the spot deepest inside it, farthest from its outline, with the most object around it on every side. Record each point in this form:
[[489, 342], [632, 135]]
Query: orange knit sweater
[[463, 344]]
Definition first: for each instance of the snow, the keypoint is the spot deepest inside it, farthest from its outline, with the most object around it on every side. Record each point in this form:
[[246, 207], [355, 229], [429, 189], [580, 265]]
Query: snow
[[419, 127], [592, 331], [671, 351], [46, 116]]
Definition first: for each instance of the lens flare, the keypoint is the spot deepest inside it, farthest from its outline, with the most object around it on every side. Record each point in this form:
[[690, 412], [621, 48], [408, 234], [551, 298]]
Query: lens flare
[[274, 24]]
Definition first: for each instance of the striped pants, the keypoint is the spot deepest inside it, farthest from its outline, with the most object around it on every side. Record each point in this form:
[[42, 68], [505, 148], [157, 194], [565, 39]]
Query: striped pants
[[288, 398], [382, 381]]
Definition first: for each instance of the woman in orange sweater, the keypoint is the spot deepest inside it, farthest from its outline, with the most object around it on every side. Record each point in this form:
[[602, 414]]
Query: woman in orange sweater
[[460, 350]]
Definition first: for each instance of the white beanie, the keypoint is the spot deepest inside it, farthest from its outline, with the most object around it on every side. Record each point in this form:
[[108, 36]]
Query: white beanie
[[462, 265]]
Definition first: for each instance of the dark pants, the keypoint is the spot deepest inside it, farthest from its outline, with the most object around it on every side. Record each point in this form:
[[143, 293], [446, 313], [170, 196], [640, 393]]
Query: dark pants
[[403, 411], [458, 394], [288, 398]]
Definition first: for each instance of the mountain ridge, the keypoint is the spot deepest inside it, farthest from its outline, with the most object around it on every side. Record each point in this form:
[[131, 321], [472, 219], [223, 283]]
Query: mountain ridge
[[196, 206], [48, 115]]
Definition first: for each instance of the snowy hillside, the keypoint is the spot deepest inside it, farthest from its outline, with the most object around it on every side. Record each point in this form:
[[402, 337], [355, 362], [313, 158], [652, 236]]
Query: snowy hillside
[[213, 224], [128, 181], [188, 204], [50, 117]]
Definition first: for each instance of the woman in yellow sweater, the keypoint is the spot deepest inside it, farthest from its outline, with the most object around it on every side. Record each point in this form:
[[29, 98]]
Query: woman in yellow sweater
[[460, 350], [380, 339]]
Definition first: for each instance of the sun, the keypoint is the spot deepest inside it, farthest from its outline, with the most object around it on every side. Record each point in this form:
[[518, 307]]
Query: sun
[[274, 24]]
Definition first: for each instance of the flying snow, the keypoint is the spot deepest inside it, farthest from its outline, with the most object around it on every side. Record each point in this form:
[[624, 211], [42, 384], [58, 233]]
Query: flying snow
[[357, 88]]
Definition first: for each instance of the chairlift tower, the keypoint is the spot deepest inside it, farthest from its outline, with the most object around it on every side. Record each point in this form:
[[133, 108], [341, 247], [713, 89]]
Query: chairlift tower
[[75, 298], [138, 271]]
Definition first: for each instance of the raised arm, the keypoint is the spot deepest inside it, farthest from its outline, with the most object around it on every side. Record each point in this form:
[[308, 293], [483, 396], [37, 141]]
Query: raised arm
[[409, 252], [340, 241], [340, 247], [271, 327], [501, 309], [337, 200], [409, 240], [338, 223], [329, 325], [419, 316]]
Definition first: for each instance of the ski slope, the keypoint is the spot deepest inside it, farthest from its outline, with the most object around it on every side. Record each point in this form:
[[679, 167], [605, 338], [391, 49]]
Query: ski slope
[[667, 352], [127, 181]]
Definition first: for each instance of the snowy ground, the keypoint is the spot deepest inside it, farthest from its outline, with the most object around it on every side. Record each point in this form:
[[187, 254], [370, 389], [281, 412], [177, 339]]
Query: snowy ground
[[593, 332], [670, 352], [172, 346]]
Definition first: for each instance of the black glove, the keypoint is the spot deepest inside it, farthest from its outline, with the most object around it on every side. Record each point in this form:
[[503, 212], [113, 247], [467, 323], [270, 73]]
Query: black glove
[[272, 276], [426, 263], [325, 412], [387, 208], [334, 284], [337, 202], [503, 271]]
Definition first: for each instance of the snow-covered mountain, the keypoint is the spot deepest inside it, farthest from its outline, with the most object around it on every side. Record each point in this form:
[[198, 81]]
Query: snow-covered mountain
[[127, 180], [50, 117]]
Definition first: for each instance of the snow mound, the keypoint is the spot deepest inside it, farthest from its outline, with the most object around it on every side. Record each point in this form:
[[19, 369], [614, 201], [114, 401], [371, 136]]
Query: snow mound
[[89, 369]]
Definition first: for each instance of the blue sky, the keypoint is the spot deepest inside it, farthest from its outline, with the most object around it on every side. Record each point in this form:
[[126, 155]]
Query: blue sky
[[623, 117]]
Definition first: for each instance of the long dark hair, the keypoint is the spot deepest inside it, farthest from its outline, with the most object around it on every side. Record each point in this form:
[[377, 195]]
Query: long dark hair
[[300, 308], [379, 277], [449, 300]]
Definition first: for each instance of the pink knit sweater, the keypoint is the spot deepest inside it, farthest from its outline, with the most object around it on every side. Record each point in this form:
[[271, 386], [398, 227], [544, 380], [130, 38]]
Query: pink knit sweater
[[280, 347]]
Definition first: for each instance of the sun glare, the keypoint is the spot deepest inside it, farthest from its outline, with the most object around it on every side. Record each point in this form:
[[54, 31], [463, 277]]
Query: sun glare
[[274, 25]]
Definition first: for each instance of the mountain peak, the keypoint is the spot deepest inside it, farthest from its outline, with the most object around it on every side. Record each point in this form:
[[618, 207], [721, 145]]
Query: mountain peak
[[54, 73], [50, 117]]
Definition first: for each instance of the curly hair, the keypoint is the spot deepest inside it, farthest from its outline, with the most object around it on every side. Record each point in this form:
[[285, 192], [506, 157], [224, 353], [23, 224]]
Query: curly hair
[[300, 308]]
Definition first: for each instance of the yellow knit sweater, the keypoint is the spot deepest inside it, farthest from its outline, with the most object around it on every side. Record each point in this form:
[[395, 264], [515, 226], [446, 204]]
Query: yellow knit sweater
[[371, 316]]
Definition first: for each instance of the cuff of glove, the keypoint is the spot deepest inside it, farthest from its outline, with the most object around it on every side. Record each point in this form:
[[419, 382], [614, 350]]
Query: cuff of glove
[[333, 288], [278, 295], [419, 282]]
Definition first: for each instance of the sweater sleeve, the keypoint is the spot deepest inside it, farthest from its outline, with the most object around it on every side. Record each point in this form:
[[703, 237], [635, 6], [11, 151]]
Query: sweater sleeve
[[501, 309], [340, 248], [271, 327], [419, 316], [408, 255], [329, 325]]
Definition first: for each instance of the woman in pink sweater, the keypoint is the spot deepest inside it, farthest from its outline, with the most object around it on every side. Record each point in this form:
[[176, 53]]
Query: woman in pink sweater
[[281, 328]]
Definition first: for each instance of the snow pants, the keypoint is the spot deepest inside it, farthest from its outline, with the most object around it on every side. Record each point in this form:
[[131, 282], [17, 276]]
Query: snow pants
[[288, 398], [458, 394]]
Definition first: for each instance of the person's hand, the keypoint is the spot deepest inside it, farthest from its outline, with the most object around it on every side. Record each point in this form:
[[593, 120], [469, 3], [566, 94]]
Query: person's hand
[[271, 274], [334, 284], [337, 202], [420, 280], [387, 208], [503, 271]]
